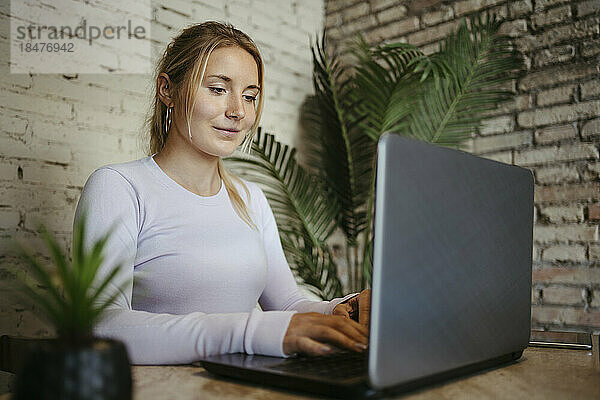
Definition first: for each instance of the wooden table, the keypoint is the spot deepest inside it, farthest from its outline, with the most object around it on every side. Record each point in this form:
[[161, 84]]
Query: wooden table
[[539, 374]]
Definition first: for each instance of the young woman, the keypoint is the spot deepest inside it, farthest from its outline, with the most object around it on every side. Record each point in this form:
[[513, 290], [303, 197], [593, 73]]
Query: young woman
[[198, 247]]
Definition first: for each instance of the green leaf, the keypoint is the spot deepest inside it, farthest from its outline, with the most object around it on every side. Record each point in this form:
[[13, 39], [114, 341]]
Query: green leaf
[[451, 107], [294, 194], [74, 314], [315, 267]]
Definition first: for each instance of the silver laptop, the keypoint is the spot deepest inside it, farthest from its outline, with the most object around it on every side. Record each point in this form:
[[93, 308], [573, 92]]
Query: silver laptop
[[451, 286]]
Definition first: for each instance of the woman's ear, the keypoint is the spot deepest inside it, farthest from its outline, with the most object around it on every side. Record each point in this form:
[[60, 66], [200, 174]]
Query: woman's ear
[[164, 87]]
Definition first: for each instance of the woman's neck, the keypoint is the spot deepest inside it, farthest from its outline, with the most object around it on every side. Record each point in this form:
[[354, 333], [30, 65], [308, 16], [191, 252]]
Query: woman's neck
[[196, 171]]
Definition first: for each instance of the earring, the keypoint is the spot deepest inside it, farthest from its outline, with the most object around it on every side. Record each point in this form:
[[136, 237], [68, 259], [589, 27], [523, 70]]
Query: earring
[[167, 123]]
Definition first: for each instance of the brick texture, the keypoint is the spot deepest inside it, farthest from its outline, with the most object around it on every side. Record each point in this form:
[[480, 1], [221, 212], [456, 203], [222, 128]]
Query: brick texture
[[594, 252], [561, 94], [595, 299], [559, 34], [553, 76], [574, 193], [559, 214], [590, 49], [467, 6], [563, 295], [555, 133], [588, 7], [590, 89], [559, 114], [430, 35], [514, 28], [445, 13], [559, 174], [519, 7], [564, 317], [594, 212], [566, 276], [501, 124], [578, 151], [497, 142], [561, 233], [551, 16], [552, 126], [591, 171], [591, 128], [554, 55], [564, 253]]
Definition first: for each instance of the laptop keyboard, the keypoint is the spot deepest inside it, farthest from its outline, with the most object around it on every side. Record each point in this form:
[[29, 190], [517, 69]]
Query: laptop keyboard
[[339, 365]]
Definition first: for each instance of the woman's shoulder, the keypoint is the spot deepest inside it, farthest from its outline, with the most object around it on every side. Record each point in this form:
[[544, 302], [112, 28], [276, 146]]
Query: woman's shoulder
[[126, 167], [240, 183], [256, 196], [130, 172], [111, 190], [243, 184]]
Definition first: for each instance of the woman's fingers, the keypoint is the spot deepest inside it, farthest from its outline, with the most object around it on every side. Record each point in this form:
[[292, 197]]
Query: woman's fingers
[[328, 329], [341, 338], [352, 328], [309, 346]]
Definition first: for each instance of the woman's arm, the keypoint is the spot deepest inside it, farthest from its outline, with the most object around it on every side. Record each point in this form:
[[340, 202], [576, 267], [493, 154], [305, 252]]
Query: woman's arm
[[153, 338]]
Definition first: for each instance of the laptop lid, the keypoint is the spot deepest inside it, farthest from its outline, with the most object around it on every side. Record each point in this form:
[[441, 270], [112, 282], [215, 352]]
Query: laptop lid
[[452, 255]]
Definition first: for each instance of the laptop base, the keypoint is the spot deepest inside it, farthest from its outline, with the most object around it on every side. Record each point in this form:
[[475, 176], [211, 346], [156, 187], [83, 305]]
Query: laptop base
[[262, 370]]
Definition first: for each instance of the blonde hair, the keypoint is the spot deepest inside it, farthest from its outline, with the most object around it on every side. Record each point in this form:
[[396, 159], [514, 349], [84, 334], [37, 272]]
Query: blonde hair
[[184, 61]]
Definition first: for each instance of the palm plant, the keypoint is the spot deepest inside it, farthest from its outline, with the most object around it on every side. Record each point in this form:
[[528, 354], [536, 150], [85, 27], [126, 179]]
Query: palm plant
[[73, 300], [440, 98], [76, 365]]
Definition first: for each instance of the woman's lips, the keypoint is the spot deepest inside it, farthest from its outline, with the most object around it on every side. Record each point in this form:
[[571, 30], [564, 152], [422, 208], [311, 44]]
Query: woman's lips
[[226, 132]]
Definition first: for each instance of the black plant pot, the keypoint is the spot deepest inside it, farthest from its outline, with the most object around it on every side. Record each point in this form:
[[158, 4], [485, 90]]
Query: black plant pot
[[98, 369]]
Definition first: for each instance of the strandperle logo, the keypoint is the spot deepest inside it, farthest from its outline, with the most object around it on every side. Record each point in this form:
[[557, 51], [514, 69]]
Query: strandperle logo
[[72, 37], [82, 31]]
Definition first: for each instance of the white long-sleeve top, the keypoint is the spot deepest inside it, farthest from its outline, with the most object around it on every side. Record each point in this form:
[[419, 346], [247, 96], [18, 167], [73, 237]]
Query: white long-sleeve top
[[195, 270]]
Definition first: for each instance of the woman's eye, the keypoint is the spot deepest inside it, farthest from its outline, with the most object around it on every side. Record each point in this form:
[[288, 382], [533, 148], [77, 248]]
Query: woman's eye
[[216, 89], [250, 98]]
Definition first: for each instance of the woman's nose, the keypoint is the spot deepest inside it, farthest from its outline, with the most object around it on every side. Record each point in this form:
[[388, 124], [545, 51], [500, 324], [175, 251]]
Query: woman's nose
[[235, 109]]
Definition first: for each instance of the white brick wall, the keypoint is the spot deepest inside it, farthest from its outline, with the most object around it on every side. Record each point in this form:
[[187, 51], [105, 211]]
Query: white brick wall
[[55, 130]]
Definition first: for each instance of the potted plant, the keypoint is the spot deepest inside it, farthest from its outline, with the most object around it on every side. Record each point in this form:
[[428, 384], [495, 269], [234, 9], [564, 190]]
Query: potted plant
[[440, 98], [75, 365]]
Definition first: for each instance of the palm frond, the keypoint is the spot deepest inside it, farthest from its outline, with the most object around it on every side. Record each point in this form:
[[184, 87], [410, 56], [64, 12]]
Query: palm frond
[[345, 151], [453, 100], [385, 81], [311, 149], [73, 313], [301, 202], [315, 267]]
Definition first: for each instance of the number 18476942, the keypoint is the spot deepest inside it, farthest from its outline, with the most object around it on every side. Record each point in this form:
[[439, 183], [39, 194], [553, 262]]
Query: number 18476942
[[48, 47]]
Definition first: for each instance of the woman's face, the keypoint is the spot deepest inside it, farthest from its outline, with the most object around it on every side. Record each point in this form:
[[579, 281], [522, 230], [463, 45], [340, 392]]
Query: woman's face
[[225, 105]]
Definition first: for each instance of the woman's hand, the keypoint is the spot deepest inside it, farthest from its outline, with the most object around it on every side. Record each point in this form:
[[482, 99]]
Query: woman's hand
[[357, 308], [313, 333]]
